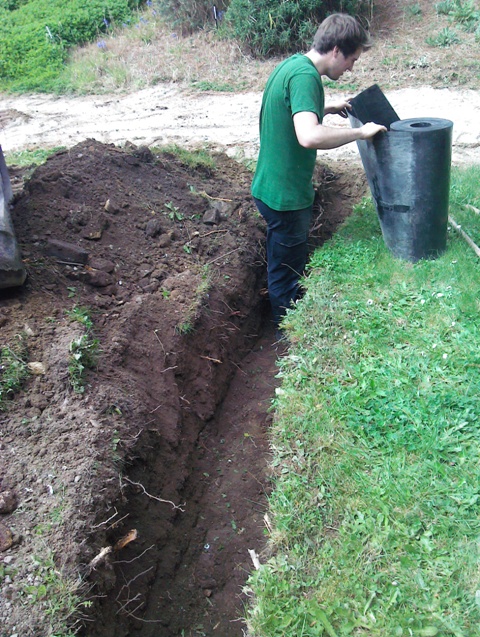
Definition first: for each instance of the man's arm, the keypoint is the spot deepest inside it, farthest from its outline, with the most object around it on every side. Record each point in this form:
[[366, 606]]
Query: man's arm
[[311, 134]]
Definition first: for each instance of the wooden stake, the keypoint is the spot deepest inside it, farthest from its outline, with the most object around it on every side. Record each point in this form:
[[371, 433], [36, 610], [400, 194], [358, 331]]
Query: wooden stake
[[462, 233]]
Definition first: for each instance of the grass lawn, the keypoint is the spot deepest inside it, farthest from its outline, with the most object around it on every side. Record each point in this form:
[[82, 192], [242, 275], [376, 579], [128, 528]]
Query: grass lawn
[[375, 510]]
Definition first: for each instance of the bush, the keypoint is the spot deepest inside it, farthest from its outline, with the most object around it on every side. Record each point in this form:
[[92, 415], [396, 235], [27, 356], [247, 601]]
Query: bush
[[269, 27], [191, 15], [35, 36]]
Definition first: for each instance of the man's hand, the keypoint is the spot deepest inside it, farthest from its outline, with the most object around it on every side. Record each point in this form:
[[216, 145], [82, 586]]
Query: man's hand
[[338, 108], [370, 129]]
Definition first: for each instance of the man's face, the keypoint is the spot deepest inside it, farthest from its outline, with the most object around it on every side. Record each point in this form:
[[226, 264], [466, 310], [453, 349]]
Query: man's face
[[339, 63]]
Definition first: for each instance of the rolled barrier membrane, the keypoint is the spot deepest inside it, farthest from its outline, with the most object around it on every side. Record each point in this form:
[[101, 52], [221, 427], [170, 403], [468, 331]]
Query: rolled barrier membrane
[[12, 270], [408, 172]]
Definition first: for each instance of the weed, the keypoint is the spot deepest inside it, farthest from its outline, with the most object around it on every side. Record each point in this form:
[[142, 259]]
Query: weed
[[174, 212], [446, 37], [83, 349], [13, 370], [413, 10], [83, 355]]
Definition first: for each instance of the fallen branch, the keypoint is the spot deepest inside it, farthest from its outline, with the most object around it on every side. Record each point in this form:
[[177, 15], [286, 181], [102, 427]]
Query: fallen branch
[[154, 497], [462, 233]]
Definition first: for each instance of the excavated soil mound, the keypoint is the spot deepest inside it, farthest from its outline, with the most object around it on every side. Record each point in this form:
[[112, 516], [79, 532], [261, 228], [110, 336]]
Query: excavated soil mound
[[142, 481]]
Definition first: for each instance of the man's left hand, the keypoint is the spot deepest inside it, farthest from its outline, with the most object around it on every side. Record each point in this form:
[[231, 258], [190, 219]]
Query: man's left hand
[[338, 108]]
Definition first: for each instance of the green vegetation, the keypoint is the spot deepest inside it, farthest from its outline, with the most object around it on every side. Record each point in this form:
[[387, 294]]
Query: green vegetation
[[198, 158], [190, 15], [270, 27], [446, 37], [376, 440], [461, 12], [187, 326], [13, 370], [34, 157], [56, 592], [83, 349], [36, 36]]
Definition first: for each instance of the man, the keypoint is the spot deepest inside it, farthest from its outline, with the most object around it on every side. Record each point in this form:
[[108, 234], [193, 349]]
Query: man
[[291, 131]]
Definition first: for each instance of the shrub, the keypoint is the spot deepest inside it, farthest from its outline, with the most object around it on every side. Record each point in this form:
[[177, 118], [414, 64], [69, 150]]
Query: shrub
[[191, 15], [269, 27], [35, 36]]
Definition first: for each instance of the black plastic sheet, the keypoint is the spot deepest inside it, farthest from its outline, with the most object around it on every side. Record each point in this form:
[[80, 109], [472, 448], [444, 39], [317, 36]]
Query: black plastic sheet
[[408, 172]]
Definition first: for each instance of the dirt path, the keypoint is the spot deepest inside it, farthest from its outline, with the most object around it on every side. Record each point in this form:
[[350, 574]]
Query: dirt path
[[166, 114]]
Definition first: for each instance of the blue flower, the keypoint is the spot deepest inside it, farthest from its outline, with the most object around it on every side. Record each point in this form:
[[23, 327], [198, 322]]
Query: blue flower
[[102, 44], [106, 22]]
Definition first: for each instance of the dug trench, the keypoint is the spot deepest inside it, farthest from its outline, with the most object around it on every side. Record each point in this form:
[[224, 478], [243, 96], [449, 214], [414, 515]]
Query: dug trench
[[145, 474]]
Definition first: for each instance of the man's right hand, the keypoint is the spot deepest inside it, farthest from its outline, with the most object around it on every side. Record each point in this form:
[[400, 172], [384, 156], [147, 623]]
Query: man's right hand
[[370, 129]]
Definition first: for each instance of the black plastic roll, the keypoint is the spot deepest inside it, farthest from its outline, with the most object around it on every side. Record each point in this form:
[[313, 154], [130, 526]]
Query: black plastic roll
[[408, 171]]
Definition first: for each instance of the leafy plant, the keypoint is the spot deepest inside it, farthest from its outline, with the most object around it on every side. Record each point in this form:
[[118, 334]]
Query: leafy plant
[[446, 37], [413, 10], [174, 212]]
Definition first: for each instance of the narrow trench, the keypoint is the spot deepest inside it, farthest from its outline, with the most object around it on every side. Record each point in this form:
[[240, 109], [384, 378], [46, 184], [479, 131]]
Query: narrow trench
[[185, 574]]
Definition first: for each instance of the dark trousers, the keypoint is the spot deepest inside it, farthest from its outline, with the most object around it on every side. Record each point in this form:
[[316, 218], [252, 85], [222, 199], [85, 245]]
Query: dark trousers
[[287, 234]]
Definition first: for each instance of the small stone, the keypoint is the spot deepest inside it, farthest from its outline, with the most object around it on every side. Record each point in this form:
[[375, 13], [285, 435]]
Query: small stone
[[8, 501], [37, 368], [6, 538], [211, 217]]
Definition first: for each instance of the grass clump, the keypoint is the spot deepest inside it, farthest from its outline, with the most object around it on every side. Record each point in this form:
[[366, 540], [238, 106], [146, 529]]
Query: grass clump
[[34, 157], [193, 159], [446, 37], [83, 349], [376, 443], [13, 370]]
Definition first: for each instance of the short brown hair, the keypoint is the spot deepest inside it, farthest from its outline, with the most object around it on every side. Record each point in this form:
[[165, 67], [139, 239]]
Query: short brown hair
[[341, 30]]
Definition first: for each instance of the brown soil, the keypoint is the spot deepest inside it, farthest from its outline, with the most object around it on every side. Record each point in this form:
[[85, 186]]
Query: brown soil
[[168, 438]]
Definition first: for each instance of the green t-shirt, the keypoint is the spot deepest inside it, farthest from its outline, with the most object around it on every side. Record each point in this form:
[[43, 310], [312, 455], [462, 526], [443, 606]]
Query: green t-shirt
[[283, 177]]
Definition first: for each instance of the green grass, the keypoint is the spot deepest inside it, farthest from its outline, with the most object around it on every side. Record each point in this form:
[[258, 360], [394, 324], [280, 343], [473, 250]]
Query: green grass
[[376, 445], [83, 349], [35, 157], [13, 370], [193, 159]]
